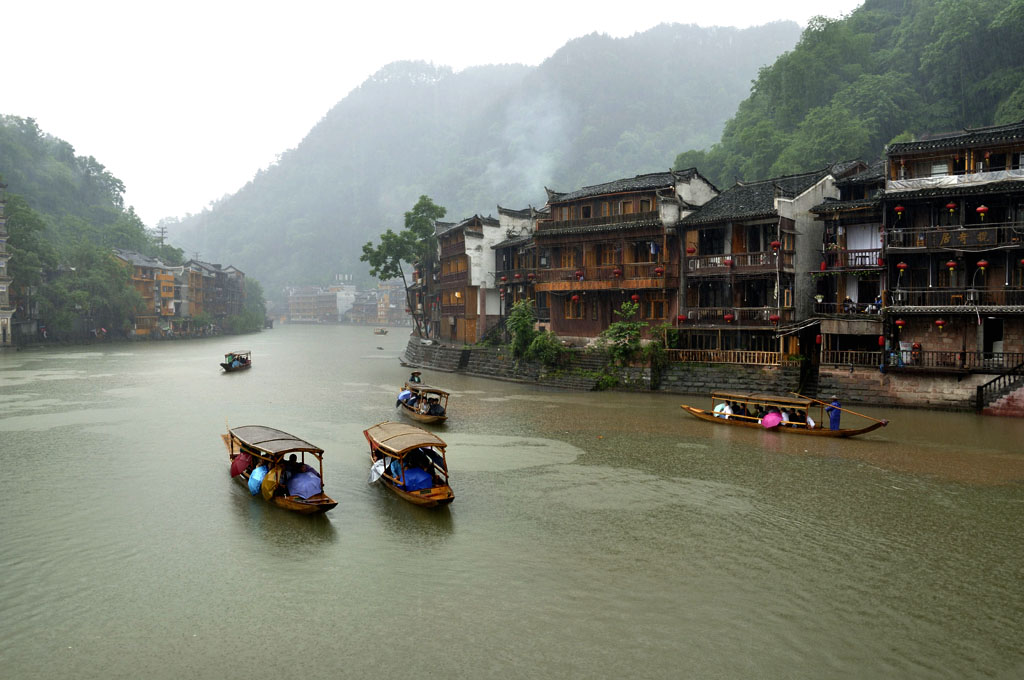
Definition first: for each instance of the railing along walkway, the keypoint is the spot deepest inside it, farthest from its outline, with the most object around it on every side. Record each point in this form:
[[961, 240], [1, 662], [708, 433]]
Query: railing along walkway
[[726, 356], [998, 386]]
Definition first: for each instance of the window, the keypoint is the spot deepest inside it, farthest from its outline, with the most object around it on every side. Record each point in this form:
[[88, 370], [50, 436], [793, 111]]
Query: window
[[606, 209], [572, 310], [585, 212], [656, 309], [606, 253], [593, 311], [627, 207], [645, 205]]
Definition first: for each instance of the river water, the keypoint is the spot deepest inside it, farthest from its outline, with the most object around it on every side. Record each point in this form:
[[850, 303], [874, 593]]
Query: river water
[[593, 535]]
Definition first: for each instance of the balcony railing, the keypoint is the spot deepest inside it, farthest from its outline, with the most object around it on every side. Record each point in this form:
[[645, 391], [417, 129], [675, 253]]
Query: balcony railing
[[852, 357], [651, 216], [956, 297], [975, 237], [851, 309], [951, 180], [455, 277], [607, 272], [854, 259], [726, 356], [741, 316], [724, 263], [979, 362]]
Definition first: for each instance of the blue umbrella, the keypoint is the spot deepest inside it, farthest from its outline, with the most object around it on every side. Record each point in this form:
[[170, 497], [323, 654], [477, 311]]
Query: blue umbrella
[[304, 484]]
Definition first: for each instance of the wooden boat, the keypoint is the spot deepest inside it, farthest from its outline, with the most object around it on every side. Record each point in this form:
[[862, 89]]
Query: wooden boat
[[253, 446], [763, 402], [380, 331], [237, 361], [414, 463], [426, 404]]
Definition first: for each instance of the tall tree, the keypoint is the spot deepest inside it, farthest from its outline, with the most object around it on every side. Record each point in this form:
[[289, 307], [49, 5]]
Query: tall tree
[[416, 243]]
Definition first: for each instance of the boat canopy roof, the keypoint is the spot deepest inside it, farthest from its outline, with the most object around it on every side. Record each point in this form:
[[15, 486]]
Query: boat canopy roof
[[398, 438], [420, 387], [755, 398], [271, 441], [241, 351]]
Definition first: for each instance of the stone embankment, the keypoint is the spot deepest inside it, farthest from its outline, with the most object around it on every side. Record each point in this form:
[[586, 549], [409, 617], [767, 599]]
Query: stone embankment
[[591, 370]]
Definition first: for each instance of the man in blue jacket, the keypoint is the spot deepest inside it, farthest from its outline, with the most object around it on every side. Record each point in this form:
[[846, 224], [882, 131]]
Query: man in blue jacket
[[834, 410]]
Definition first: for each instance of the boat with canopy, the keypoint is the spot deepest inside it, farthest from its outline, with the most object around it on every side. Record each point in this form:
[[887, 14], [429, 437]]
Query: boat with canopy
[[766, 412], [267, 461], [237, 361], [423, 403], [411, 462]]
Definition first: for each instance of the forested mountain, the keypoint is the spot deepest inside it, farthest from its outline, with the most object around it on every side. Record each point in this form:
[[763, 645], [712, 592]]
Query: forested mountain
[[64, 215], [598, 109], [891, 70]]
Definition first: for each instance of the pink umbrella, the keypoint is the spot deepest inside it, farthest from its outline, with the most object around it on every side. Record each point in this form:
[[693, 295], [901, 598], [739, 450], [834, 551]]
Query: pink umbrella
[[239, 464], [772, 419]]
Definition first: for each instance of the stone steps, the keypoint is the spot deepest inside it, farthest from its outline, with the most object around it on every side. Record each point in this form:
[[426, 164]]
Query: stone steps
[[1011, 405]]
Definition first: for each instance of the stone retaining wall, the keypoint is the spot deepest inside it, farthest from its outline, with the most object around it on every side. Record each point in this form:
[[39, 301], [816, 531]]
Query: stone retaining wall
[[862, 385]]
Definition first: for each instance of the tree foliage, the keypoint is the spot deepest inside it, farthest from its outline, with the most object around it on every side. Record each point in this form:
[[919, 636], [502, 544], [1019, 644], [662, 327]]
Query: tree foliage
[[851, 85], [622, 338], [521, 326]]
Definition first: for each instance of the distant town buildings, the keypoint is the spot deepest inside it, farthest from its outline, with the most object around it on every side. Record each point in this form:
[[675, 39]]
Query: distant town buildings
[[6, 311]]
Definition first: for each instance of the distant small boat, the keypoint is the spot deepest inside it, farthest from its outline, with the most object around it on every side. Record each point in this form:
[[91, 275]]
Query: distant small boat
[[771, 408], [380, 331], [424, 403], [260, 459], [411, 462], [237, 361]]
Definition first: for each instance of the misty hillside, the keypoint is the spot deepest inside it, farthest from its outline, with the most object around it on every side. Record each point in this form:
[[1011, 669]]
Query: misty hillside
[[890, 71], [598, 109]]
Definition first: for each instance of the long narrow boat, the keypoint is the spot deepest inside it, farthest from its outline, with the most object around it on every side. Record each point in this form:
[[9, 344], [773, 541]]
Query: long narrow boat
[[411, 462], [424, 403], [761, 405], [258, 459]]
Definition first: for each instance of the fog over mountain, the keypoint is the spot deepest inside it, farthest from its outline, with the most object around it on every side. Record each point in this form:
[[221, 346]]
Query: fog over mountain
[[598, 109]]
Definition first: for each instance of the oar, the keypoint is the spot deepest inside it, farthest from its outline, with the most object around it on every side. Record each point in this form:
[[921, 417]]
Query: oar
[[825, 403]]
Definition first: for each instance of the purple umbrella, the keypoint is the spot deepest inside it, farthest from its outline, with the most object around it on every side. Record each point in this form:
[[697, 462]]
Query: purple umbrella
[[304, 484], [772, 419], [239, 464]]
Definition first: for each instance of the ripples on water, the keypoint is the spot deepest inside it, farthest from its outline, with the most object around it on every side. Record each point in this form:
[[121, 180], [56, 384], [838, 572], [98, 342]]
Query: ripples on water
[[592, 535]]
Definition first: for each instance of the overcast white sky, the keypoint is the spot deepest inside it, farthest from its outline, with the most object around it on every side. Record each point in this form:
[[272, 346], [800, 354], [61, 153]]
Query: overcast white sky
[[185, 101]]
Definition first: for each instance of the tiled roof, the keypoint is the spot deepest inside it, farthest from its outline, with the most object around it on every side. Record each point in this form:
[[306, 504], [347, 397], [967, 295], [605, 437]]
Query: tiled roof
[[648, 182], [832, 205], [599, 227], [1009, 187], [445, 227], [995, 134], [514, 241], [138, 259], [875, 174], [748, 200]]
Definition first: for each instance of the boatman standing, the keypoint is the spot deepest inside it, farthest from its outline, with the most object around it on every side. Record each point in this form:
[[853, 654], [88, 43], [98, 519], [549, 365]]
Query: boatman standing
[[834, 410]]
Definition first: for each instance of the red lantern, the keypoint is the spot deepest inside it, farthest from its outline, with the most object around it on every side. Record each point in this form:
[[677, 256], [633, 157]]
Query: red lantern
[[823, 266], [900, 323], [634, 298], [504, 279], [727, 262], [940, 323], [728, 318], [982, 264], [579, 274], [776, 245], [681, 318], [616, 272], [881, 262], [902, 266], [690, 250], [575, 298], [658, 271], [774, 318], [981, 210], [817, 339], [899, 211], [518, 276], [951, 207], [951, 265], [531, 276], [881, 341]]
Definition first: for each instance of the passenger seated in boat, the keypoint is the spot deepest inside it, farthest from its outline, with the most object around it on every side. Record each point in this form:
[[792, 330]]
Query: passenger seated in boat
[[435, 408], [723, 410], [785, 416], [739, 409], [798, 418], [403, 396]]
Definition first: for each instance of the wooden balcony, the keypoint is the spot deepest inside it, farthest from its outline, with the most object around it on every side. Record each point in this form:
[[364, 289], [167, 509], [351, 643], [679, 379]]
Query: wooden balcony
[[739, 263], [453, 249], [744, 317], [454, 279], [944, 238], [854, 260], [631, 276], [953, 361], [956, 300], [600, 223], [726, 356], [852, 358]]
